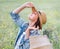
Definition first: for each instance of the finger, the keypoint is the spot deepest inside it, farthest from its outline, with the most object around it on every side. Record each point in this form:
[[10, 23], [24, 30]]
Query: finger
[[36, 28], [33, 28]]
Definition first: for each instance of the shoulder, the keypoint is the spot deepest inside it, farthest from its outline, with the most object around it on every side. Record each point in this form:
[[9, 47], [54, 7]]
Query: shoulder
[[24, 25]]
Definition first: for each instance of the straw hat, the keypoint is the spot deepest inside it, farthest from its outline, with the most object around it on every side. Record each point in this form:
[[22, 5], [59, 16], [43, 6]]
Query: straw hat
[[42, 17]]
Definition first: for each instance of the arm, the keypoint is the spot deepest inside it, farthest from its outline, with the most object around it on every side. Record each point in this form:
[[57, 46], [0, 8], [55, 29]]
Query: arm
[[25, 5], [16, 17], [19, 9]]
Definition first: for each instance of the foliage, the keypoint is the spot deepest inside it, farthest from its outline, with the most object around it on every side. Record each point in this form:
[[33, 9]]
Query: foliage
[[8, 29]]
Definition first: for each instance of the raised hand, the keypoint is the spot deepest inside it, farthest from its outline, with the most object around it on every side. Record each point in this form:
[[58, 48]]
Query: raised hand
[[29, 4]]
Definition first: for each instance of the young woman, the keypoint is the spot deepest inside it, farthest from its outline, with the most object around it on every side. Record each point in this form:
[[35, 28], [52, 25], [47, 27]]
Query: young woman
[[36, 19]]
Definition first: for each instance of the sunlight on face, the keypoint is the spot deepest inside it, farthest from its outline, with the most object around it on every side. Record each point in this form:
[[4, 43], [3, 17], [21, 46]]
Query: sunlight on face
[[33, 16]]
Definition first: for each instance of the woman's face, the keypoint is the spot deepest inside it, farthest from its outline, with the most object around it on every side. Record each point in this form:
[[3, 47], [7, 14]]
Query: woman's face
[[33, 16]]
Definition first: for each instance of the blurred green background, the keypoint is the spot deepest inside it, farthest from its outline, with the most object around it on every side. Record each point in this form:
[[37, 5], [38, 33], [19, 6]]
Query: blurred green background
[[8, 29]]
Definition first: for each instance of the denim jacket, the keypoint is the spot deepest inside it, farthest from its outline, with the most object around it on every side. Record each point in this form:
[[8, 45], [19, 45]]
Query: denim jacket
[[21, 42]]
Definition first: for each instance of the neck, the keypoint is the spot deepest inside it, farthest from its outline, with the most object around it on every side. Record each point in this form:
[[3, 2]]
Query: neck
[[31, 23]]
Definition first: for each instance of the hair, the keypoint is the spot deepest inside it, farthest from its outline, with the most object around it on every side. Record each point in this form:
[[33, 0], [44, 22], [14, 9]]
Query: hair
[[37, 23]]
